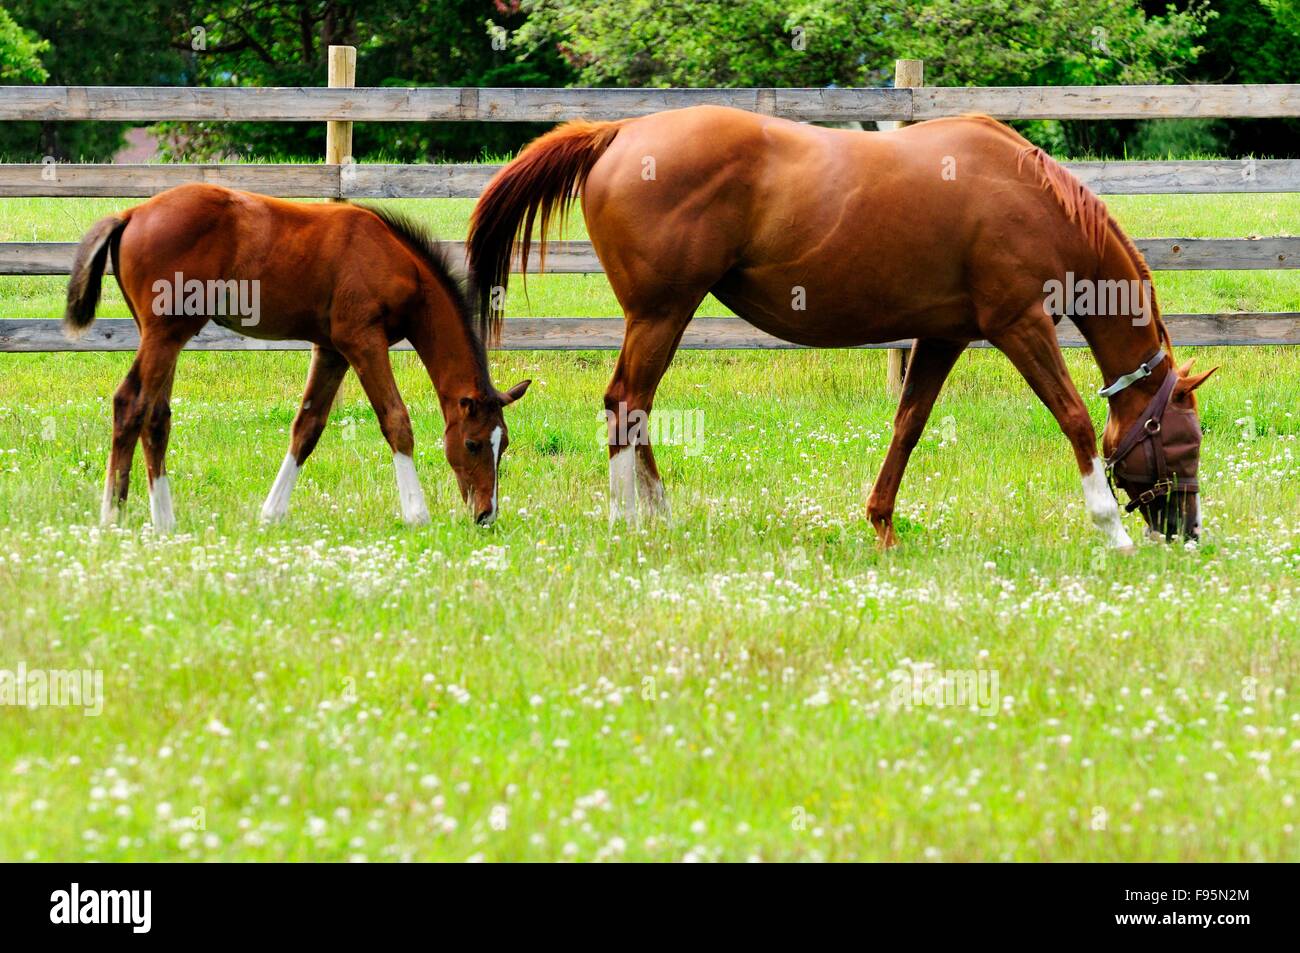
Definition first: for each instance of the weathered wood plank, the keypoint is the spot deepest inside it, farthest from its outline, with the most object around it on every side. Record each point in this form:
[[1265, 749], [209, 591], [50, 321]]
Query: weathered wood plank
[[1109, 102], [1162, 254], [581, 334], [468, 180], [55, 258], [425, 104], [1203, 176], [69, 180]]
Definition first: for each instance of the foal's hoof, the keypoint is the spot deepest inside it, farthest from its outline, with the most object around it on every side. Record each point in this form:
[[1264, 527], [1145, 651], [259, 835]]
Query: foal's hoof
[[1125, 550]]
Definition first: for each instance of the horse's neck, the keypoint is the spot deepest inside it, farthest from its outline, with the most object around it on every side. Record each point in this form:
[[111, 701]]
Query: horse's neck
[[1121, 342], [449, 353]]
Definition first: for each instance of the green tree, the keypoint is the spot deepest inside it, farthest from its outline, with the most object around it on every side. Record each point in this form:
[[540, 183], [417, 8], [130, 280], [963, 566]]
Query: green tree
[[399, 43], [855, 42], [103, 43], [20, 53]]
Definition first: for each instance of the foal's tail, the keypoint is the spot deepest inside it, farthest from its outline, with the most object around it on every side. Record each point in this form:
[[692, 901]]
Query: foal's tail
[[542, 180], [88, 273]]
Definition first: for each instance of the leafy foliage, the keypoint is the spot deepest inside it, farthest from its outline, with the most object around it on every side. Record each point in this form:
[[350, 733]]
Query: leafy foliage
[[20, 52]]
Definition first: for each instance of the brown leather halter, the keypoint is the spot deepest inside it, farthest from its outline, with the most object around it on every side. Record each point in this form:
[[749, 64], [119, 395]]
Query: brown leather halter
[[1159, 455]]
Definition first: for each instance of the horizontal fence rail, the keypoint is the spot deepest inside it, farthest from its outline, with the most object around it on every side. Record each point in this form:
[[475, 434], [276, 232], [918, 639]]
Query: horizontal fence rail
[[428, 104], [1162, 254], [605, 334], [467, 181], [910, 101]]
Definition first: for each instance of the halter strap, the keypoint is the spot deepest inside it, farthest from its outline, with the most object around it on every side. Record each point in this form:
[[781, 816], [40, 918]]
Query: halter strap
[[1124, 380]]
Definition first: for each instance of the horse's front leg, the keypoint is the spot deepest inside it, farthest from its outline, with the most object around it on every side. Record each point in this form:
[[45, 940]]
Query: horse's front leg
[[1032, 346], [931, 362], [649, 343]]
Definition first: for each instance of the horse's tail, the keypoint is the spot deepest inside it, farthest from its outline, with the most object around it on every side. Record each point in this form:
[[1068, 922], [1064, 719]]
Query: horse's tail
[[88, 272], [542, 180]]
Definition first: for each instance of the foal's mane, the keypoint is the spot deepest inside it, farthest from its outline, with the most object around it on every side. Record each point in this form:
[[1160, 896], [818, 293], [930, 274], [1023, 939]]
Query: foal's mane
[[1082, 206], [440, 259]]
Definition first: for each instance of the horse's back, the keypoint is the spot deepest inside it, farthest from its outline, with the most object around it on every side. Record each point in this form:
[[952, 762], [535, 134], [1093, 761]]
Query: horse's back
[[300, 258], [818, 235]]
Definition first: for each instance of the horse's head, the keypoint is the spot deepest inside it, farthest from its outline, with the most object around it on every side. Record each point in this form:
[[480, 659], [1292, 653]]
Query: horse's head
[[475, 440], [1153, 448]]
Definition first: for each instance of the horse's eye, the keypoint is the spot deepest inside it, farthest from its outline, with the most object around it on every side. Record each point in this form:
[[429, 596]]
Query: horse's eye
[[473, 446]]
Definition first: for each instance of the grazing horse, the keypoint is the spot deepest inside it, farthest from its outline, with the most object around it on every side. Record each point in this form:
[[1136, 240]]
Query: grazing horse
[[947, 231], [351, 280]]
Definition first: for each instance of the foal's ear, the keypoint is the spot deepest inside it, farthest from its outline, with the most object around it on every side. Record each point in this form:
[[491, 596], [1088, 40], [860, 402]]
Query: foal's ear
[[514, 393]]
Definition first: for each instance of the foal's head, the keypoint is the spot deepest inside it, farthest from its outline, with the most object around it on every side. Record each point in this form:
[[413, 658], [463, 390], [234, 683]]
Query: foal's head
[[476, 438]]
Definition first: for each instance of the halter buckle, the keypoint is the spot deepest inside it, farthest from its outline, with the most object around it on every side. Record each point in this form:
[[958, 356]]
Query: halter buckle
[[1152, 427]]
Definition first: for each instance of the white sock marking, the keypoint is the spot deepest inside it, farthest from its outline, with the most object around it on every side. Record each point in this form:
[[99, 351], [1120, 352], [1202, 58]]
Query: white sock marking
[[277, 501], [414, 512], [1102, 506], [160, 505], [622, 486], [108, 508], [651, 490]]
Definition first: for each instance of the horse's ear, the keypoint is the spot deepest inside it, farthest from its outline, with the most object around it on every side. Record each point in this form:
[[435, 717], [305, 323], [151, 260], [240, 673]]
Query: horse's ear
[[1189, 384], [514, 393], [1186, 367]]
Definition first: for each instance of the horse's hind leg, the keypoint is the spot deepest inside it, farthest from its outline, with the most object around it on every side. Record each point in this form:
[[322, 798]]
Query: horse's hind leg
[[143, 397], [1032, 346], [931, 362], [328, 368], [369, 357], [649, 343]]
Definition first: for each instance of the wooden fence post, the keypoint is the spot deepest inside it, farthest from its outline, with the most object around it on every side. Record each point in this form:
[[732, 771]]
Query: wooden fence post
[[338, 135], [907, 73]]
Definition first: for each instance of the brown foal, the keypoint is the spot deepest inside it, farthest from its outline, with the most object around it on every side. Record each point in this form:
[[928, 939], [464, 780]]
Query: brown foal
[[350, 280], [786, 224]]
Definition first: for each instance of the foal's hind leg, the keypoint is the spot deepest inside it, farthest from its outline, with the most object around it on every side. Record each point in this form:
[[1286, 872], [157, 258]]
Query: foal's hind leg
[[148, 380], [328, 368], [928, 368], [1032, 346], [648, 347], [369, 357]]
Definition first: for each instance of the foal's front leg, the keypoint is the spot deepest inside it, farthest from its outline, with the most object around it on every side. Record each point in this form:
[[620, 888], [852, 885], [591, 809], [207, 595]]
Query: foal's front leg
[[328, 368], [369, 357]]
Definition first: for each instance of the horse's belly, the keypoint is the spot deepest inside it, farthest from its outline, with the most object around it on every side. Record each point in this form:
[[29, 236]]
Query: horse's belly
[[843, 311]]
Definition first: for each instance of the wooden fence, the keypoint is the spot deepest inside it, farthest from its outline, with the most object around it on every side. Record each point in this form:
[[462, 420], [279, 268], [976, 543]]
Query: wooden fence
[[340, 178]]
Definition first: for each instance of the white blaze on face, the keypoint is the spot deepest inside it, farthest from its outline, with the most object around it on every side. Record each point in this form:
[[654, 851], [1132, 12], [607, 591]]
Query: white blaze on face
[[496, 465], [1102, 506]]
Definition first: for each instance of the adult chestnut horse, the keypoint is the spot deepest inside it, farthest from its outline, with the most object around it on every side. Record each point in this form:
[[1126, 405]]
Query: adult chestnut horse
[[947, 232], [350, 280]]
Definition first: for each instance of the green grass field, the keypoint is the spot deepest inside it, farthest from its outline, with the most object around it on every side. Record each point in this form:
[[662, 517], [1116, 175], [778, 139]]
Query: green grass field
[[341, 687]]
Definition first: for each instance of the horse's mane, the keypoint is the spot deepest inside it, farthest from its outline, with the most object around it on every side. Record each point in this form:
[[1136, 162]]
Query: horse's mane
[[440, 259], [1082, 206]]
